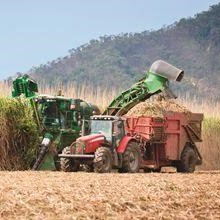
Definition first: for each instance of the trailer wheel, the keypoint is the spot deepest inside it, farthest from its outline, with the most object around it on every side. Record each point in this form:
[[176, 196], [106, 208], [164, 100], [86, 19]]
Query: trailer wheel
[[68, 164], [131, 159], [148, 170], [188, 160], [103, 160]]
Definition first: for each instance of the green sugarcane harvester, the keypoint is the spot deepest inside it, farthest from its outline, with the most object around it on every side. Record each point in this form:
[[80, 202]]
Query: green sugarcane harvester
[[62, 120]]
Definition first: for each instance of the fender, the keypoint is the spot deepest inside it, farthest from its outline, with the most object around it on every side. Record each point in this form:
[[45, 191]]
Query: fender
[[123, 144]]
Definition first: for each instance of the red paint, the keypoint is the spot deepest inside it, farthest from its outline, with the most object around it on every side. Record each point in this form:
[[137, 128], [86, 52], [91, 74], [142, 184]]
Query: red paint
[[91, 142], [123, 144], [89, 137], [168, 134]]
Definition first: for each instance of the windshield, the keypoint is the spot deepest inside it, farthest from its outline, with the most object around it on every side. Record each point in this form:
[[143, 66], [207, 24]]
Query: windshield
[[104, 127], [48, 113]]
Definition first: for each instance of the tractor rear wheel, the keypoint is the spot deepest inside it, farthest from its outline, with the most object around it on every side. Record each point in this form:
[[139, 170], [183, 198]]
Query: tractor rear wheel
[[68, 164], [188, 160], [131, 159], [103, 160]]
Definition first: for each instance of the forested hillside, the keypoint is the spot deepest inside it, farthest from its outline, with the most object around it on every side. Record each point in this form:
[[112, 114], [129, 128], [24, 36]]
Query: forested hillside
[[117, 61]]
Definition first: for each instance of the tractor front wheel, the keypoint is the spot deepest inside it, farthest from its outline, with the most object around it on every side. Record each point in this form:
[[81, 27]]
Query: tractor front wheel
[[103, 160], [131, 159], [68, 164]]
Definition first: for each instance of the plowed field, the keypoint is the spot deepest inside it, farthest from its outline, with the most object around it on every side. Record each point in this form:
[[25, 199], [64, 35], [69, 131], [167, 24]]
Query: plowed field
[[58, 195]]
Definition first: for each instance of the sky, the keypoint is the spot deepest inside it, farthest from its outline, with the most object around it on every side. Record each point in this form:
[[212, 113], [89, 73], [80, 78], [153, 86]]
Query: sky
[[33, 32]]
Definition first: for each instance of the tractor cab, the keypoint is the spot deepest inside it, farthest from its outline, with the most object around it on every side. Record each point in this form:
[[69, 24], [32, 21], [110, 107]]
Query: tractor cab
[[112, 127]]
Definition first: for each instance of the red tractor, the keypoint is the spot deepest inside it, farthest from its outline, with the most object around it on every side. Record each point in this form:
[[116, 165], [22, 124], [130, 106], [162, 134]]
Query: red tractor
[[131, 143], [106, 147]]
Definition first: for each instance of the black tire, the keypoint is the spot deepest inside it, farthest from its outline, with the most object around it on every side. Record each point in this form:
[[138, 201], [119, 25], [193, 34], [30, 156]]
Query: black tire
[[88, 168], [57, 162], [131, 159], [68, 164], [148, 170], [103, 160], [188, 160]]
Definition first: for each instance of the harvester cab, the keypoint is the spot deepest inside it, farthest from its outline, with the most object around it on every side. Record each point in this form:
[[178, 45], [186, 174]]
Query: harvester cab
[[157, 80], [57, 112], [63, 121]]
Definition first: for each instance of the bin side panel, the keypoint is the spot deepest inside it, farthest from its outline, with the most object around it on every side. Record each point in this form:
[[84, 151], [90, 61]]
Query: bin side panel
[[195, 126], [173, 138], [176, 135], [140, 126]]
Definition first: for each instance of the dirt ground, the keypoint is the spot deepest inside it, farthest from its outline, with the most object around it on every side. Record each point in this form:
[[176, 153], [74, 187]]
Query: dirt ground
[[58, 195]]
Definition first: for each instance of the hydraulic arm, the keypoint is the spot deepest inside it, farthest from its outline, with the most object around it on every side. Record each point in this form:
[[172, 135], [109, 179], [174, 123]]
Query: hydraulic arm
[[156, 81]]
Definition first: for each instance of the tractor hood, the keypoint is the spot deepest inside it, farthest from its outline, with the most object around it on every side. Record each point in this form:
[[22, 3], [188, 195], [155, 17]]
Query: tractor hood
[[91, 142]]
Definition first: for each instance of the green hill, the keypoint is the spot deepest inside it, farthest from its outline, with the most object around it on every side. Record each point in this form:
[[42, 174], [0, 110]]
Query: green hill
[[117, 61]]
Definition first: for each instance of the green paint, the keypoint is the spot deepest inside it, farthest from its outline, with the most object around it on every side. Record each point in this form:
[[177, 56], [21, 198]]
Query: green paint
[[155, 82], [48, 163], [24, 85], [151, 84]]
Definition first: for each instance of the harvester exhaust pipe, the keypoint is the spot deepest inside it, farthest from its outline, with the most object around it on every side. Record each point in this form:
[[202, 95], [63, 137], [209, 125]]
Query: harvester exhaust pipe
[[167, 70]]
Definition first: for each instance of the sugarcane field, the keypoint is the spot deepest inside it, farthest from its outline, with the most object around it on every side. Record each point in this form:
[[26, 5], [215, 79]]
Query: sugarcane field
[[123, 127]]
